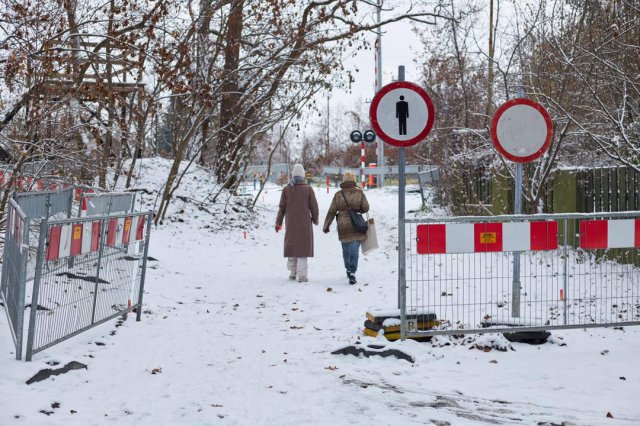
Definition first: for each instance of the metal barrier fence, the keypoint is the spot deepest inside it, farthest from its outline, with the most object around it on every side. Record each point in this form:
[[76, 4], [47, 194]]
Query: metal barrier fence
[[41, 205], [520, 273], [14, 271], [89, 270], [92, 204]]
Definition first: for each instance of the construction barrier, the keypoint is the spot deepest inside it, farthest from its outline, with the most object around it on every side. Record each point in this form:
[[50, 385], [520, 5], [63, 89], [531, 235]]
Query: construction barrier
[[53, 256], [88, 270], [522, 272]]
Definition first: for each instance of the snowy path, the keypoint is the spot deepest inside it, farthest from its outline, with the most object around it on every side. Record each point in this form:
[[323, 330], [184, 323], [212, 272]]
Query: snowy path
[[239, 343]]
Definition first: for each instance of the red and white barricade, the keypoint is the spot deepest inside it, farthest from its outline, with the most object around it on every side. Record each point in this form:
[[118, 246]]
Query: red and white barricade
[[609, 234], [486, 237], [73, 239]]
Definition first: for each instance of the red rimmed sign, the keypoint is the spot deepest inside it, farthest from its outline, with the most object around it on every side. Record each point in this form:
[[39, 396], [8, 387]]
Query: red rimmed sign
[[402, 114], [521, 130]]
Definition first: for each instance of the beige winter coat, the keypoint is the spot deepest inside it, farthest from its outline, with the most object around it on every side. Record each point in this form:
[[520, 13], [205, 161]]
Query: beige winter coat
[[357, 201]]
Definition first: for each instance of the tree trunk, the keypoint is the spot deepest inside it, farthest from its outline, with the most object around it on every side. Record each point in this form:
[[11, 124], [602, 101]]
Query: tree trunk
[[232, 124]]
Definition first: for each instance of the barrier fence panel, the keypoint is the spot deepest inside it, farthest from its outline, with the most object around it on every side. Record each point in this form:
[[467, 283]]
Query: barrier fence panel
[[103, 204], [88, 271], [575, 271], [14, 271], [46, 203]]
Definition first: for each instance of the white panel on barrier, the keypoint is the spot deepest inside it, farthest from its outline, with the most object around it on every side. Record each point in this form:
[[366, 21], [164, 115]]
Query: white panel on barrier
[[119, 230], [65, 241], [459, 238], [516, 236], [86, 237], [621, 233], [133, 229]]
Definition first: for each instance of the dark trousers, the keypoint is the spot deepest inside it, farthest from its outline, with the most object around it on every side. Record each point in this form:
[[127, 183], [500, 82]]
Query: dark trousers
[[350, 252]]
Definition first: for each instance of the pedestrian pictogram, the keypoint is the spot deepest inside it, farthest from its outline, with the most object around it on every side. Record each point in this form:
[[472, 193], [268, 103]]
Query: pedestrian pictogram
[[402, 114]]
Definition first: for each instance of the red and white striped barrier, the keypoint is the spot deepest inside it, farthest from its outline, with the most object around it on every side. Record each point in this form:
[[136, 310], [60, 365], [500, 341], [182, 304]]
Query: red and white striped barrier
[[606, 234], [362, 182], [74, 239], [486, 237]]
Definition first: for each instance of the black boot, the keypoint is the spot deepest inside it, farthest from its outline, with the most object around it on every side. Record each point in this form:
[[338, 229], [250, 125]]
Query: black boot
[[352, 278]]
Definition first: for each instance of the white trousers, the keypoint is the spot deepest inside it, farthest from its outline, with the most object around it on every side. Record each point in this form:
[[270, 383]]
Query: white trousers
[[297, 265]]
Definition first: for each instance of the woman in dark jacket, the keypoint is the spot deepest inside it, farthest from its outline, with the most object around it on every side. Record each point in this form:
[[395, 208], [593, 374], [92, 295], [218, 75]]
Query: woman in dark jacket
[[298, 206], [349, 196]]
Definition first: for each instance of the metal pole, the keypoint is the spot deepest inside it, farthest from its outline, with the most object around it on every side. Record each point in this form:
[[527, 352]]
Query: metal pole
[[103, 236], [402, 302], [517, 209], [148, 219], [24, 245], [565, 280], [378, 87], [362, 165], [36, 288]]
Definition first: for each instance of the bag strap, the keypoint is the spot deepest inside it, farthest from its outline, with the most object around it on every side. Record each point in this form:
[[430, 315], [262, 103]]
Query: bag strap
[[345, 200]]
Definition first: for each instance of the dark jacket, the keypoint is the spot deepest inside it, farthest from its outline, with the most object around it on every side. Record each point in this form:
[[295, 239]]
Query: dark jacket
[[299, 208], [357, 201]]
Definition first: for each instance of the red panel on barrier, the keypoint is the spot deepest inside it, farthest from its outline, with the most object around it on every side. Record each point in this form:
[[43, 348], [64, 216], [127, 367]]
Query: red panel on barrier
[[594, 234], [111, 232], [140, 230], [95, 236], [637, 239], [54, 242], [544, 235], [431, 239], [126, 232], [76, 239], [487, 237]]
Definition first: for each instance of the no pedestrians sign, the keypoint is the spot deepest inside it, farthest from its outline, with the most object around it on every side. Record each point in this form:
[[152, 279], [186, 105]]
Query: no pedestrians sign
[[402, 114]]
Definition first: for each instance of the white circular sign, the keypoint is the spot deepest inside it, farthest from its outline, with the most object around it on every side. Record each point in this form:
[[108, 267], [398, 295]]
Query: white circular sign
[[521, 130]]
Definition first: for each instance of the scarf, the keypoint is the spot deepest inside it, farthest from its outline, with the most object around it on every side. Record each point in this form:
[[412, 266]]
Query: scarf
[[296, 179]]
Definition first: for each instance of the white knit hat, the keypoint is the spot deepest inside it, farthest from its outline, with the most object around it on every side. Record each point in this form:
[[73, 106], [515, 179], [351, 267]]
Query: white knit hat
[[298, 170]]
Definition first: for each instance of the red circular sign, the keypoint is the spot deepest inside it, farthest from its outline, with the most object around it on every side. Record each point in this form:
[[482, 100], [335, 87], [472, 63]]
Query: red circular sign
[[401, 122], [521, 130]]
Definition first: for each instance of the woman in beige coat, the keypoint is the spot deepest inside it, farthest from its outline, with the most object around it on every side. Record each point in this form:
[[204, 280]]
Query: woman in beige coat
[[349, 196], [299, 208]]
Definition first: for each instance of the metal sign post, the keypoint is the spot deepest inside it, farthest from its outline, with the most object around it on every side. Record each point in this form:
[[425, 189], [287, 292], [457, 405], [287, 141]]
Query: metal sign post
[[517, 209], [402, 290], [402, 115], [521, 131]]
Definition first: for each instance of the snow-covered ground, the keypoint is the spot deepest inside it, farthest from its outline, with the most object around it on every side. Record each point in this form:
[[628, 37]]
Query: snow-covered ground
[[227, 338]]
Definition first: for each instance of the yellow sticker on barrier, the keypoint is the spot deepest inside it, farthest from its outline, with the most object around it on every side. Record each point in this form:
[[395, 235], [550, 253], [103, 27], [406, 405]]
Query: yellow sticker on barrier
[[488, 237], [77, 232]]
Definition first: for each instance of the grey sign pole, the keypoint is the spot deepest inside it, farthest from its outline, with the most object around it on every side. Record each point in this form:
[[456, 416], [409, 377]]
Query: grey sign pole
[[402, 293], [517, 209]]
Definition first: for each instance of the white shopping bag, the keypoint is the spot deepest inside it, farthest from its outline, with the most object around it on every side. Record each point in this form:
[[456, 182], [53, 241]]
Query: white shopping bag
[[370, 243]]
